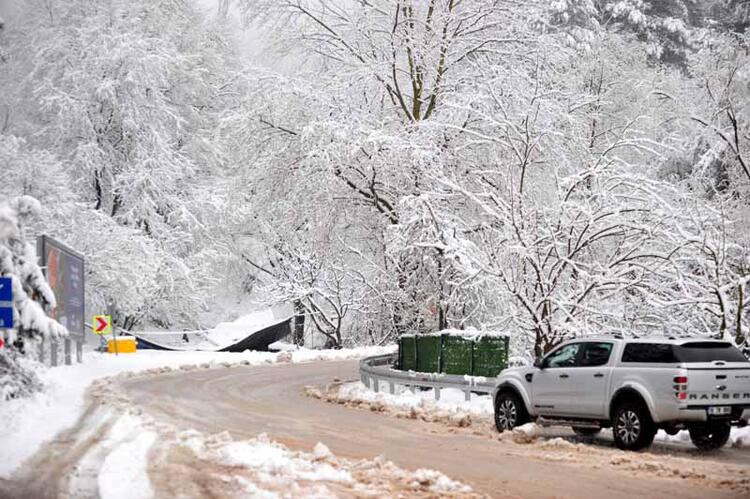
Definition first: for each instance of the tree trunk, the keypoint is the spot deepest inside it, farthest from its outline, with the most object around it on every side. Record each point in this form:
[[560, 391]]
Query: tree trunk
[[739, 337], [298, 332], [538, 339]]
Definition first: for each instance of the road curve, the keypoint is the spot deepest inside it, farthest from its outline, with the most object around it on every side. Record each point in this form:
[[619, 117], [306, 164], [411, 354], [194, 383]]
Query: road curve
[[247, 401]]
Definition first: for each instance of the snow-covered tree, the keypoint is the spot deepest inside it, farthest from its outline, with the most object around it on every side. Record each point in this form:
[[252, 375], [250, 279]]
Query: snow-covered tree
[[549, 168], [722, 172], [357, 122], [127, 95], [31, 297], [669, 29]]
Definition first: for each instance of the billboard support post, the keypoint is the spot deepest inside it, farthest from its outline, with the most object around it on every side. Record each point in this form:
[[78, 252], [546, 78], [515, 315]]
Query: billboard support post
[[53, 352]]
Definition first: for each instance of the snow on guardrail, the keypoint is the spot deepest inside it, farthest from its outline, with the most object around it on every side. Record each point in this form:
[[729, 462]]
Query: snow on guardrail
[[379, 368]]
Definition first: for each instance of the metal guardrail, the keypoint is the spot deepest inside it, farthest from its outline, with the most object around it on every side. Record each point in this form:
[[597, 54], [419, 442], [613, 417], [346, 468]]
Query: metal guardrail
[[377, 369]]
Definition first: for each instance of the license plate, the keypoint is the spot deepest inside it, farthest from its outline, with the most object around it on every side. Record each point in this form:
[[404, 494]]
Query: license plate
[[721, 410]]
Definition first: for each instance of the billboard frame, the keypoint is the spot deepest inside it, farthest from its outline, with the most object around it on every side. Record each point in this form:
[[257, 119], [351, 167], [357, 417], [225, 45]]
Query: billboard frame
[[42, 243]]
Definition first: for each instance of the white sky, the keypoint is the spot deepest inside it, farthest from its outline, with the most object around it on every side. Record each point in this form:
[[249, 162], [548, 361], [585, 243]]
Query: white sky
[[250, 42]]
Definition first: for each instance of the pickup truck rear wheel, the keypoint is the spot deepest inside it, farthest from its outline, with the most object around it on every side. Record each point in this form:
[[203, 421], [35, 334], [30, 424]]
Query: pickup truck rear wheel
[[710, 436], [509, 412], [632, 426]]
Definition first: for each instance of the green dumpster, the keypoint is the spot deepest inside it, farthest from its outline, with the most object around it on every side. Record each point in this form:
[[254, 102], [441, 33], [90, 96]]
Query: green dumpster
[[490, 356], [407, 350], [457, 354], [428, 353]]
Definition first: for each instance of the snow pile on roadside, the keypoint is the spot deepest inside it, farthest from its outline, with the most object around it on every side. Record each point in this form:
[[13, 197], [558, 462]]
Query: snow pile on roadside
[[27, 423], [452, 401], [452, 408], [271, 463], [126, 464], [526, 433], [738, 438], [434, 481], [264, 468]]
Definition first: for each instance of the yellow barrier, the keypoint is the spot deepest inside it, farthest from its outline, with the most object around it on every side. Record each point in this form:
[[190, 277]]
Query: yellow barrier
[[125, 344]]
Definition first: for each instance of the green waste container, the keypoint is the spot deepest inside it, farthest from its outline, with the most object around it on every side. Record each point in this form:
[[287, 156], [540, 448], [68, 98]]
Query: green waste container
[[407, 349], [428, 353], [457, 354], [490, 356], [453, 354]]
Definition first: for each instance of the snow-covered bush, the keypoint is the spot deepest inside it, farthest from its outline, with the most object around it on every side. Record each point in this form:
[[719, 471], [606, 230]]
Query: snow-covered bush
[[31, 296], [18, 376]]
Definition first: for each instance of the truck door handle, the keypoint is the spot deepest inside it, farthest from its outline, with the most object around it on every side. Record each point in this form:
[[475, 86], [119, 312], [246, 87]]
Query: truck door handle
[[599, 375], [564, 376]]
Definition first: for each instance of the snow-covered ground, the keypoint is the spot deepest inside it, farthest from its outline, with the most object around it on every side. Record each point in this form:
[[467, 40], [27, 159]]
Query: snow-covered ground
[[452, 407], [28, 423]]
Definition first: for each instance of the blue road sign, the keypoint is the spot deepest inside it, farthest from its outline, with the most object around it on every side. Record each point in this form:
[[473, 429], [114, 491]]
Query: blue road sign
[[6, 303], [6, 318], [6, 289]]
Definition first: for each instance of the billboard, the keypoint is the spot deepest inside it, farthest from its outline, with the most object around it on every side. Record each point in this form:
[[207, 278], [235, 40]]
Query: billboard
[[64, 269]]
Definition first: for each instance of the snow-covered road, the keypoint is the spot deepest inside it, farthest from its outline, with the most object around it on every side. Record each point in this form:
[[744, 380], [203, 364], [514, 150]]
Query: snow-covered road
[[251, 400]]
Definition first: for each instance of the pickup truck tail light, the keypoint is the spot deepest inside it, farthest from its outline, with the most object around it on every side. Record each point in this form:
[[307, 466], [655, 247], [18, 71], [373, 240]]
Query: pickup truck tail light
[[680, 387]]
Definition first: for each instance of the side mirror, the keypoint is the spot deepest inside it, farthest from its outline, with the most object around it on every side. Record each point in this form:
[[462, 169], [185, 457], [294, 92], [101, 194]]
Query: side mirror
[[539, 362]]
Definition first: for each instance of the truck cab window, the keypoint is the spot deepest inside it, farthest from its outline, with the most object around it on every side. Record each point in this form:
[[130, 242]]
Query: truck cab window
[[564, 357], [595, 354]]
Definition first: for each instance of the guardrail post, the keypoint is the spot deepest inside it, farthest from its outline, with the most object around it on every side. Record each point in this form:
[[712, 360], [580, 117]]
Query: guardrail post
[[413, 388], [66, 346], [79, 351], [392, 387], [467, 395], [376, 385], [437, 393]]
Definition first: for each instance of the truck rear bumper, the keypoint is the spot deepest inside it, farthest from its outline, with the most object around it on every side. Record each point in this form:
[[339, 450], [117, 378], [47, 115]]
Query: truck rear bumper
[[700, 414]]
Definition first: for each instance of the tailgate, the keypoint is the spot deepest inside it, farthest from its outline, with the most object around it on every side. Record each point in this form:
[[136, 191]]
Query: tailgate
[[725, 384]]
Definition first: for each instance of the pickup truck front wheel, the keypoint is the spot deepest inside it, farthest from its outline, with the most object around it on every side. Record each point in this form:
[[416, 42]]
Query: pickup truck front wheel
[[710, 436], [632, 426], [509, 412]]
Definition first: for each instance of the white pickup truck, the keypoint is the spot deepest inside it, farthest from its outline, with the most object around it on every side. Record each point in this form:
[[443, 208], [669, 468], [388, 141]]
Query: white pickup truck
[[635, 386]]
